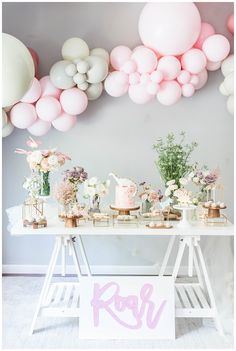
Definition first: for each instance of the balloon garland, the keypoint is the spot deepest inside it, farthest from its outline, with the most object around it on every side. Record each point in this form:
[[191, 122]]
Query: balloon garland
[[170, 64]]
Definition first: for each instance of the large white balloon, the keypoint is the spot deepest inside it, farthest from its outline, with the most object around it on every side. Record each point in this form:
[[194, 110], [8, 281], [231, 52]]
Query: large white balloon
[[101, 53], [229, 83], [227, 65], [94, 91], [59, 77], [17, 70], [7, 130], [74, 48], [98, 69]]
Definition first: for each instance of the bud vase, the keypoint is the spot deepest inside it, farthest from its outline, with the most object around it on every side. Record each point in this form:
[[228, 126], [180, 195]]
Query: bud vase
[[45, 184], [94, 204], [146, 206]]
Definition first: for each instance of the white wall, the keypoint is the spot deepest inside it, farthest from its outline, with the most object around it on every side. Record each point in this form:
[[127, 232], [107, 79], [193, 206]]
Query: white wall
[[113, 134]]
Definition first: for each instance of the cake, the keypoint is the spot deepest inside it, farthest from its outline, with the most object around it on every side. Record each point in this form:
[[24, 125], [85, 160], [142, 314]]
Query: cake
[[124, 197]]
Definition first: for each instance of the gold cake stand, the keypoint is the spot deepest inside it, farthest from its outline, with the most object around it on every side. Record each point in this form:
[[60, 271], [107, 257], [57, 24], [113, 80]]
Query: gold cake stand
[[124, 211]]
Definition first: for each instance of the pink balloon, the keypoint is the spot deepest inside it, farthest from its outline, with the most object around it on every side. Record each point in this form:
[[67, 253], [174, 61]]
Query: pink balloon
[[119, 55], [203, 76], [188, 90], [216, 47], [129, 67], [206, 31], [152, 88], [169, 66], [138, 94], [183, 77], [48, 89], [169, 93], [34, 92], [23, 115], [35, 58], [73, 101], [48, 108], [39, 127], [213, 66], [64, 122], [145, 60], [193, 61], [113, 87], [122, 78], [157, 76], [194, 80], [134, 78], [145, 78], [230, 23], [169, 28]]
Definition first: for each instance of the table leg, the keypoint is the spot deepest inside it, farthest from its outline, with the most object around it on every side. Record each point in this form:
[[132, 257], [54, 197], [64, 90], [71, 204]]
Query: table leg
[[74, 257], [47, 280], [84, 256], [167, 256], [179, 257], [63, 258]]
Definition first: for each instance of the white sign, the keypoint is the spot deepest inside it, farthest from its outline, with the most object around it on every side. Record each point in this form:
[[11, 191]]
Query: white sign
[[127, 307]]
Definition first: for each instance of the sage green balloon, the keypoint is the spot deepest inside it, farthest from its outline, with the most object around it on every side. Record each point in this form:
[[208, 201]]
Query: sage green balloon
[[98, 69], [74, 48], [94, 91], [100, 53], [17, 70], [59, 77]]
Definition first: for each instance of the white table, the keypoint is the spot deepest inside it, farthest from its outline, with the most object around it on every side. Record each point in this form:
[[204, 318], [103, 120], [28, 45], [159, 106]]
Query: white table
[[192, 299]]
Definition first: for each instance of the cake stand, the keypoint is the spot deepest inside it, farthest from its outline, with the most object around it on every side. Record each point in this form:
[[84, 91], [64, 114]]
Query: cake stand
[[184, 223], [124, 211]]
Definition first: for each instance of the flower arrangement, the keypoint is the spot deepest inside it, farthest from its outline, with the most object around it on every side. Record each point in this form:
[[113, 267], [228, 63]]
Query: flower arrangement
[[179, 194], [95, 187], [64, 193], [149, 194], [75, 176], [204, 178], [174, 157]]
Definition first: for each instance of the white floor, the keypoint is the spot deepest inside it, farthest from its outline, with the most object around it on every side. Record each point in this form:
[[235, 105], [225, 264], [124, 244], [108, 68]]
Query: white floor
[[19, 299]]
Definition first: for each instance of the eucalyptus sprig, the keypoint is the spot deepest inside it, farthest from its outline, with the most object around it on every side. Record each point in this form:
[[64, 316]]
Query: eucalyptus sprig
[[173, 159]]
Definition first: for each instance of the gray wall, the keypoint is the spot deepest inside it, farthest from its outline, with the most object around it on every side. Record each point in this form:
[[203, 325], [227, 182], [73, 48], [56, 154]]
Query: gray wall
[[113, 134]]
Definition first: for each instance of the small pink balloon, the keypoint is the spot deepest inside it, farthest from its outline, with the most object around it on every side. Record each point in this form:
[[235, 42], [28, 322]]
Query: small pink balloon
[[129, 67], [48, 108], [230, 23], [183, 77], [23, 115], [39, 128], [169, 66], [194, 80], [194, 61], [122, 78], [213, 66], [216, 47], [134, 78], [206, 31], [145, 78], [48, 89], [169, 93], [64, 122], [119, 55], [113, 87], [203, 76], [152, 88], [188, 90], [145, 60], [157, 76], [34, 92], [138, 94], [74, 101]]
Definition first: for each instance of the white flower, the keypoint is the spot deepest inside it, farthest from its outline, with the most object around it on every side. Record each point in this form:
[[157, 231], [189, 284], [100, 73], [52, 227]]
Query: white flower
[[170, 182], [191, 175], [53, 160], [173, 187], [93, 181], [35, 157], [195, 179], [90, 191], [100, 189], [167, 192], [202, 181], [206, 173], [183, 181]]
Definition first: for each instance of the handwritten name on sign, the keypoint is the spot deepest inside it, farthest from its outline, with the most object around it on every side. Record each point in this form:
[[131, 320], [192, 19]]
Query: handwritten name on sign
[[127, 307]]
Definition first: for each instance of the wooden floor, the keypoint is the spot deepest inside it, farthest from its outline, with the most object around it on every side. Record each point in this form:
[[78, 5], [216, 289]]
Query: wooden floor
[[19, 300]]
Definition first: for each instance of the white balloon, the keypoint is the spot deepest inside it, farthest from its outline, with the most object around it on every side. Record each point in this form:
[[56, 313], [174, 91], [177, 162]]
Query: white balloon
[[98, 71], [71, 70], [229, 83], [59, 77], [100, 53], [79, 78], [82, 67], [223, 90], [228, 65], [7, 130], [4, 118], [74, 48], [84, 86], [94, 91], [230, 104], [17, 70]]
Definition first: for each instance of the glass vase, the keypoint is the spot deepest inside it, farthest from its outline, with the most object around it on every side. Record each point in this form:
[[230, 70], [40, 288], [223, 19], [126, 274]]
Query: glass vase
[[146, 206], [95, 204], [44, 184]]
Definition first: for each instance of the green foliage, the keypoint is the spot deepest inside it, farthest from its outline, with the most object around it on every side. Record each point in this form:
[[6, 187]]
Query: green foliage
[[173, 159]]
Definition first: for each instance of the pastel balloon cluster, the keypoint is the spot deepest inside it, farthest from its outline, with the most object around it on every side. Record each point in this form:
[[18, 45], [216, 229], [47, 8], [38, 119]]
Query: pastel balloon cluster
[[82, 68], [44, 105], [174, 59]]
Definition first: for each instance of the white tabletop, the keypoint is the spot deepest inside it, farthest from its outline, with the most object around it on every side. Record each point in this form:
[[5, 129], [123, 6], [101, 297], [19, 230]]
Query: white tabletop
[[56, 227]]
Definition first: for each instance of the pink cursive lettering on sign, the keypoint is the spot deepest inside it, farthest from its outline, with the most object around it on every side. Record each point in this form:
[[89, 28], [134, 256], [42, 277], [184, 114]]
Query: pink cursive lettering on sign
[[115, 303]]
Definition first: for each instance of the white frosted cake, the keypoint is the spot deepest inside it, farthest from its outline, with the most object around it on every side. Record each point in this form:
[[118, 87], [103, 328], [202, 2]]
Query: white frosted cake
[[124, 197]]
